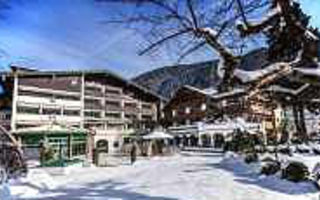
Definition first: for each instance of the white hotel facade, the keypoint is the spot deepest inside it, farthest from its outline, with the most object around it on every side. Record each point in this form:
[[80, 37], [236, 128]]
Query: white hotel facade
[[99, 101]]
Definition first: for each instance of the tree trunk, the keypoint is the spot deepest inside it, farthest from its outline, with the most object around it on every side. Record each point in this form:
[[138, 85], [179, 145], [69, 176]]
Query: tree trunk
[[296, 118], [302, 124]]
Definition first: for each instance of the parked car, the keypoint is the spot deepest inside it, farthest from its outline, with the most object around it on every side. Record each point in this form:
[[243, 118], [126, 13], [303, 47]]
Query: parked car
[[12, 162]]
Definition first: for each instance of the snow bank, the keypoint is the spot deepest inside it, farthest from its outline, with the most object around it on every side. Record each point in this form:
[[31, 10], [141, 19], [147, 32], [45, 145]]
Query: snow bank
[[5, 193], [37, 180], [236, 163]]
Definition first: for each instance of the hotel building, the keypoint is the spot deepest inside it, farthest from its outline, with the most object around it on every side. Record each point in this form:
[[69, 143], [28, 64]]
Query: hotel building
[[107, 105]]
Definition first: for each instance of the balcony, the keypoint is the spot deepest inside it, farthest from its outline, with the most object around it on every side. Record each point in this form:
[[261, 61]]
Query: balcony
[[114, 108], [39, 119], [128, 109], [93, 106], [93, 93], [147, 111]]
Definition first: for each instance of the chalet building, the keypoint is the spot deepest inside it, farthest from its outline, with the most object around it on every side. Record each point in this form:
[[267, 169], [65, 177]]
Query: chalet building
[[196, 116], [190, 105], [284, 97], [107, 105], [267, 111]]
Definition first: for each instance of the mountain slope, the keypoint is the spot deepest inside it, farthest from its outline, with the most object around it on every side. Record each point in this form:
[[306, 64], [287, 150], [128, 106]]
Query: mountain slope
[[165, 81]]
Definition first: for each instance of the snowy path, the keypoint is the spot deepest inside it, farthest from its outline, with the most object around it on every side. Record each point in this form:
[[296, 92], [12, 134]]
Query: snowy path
[[187, 177]]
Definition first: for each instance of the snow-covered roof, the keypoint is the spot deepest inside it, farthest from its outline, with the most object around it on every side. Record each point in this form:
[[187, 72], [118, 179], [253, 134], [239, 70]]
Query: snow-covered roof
[[213, 93], [210, 91], [309, 71], [230, 93], [207, 91], [278, 88]]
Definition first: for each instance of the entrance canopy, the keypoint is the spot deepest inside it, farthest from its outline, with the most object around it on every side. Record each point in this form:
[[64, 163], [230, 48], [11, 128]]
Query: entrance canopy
[[51, 129], [157, 135]]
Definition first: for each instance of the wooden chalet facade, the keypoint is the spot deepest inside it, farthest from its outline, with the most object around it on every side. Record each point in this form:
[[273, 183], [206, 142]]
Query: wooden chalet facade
[[190, 105]]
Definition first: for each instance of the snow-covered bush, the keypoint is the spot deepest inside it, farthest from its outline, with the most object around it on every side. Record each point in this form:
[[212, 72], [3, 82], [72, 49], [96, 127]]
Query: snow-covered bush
[[259, 148], [302, 148], [295, 171], [46, 153], [268, 159], [270, 168], [316, 149], [285, 150], [250, 158], [270, 149], [316, 175]]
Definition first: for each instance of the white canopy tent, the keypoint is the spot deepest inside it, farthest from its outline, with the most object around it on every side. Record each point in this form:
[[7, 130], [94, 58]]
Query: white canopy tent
[[157, 135]]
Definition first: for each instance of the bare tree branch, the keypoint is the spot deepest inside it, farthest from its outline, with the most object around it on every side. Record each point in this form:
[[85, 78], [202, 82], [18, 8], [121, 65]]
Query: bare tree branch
[[161, 41], [242, 13], [191, 50], [193, 15]]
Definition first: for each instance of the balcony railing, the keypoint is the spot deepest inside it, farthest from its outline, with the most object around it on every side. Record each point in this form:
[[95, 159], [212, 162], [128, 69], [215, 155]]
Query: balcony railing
[[147, 111], [93, 93], [93, 106], [131, 109], [113, 108]]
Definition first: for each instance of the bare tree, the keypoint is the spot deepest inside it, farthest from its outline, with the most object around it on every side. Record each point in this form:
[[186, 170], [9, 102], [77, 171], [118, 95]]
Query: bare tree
[[215, 24], [194, 25]]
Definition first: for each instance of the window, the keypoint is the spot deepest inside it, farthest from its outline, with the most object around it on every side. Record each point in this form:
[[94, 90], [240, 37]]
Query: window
[[146, 106], [51, 111], [146, 117], [174, 113], [130, 116], [78, 146], [203, 107], [64, 97], [34, 94], [113, 103], [112, 92], [116, 144], [92, 114], [113, 115], [28, 110], [187, 110], [71, 112], [115, 127]]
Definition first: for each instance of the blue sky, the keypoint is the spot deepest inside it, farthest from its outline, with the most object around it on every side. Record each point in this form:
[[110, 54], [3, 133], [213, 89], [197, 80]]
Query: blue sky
[[70, 34]]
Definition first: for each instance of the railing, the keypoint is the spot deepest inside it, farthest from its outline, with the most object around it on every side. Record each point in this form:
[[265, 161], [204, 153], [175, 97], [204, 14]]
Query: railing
[[93, 106], [93, 93], [147, 111], [130, 109], [113, 108]]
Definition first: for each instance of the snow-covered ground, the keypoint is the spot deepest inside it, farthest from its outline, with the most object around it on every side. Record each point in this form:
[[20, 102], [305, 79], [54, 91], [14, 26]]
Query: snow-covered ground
[[192, 176]]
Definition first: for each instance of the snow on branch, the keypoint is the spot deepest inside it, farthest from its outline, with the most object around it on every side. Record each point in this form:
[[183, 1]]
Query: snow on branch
[[247, 28]]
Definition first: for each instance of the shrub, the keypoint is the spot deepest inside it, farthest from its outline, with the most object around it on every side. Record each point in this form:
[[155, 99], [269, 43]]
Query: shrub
[[270, 168], [316, 175], [295, 171], [316, 151], [303, 149], [285, 150], [47, 153], [270, 149], [250, 158], [268, 159]]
